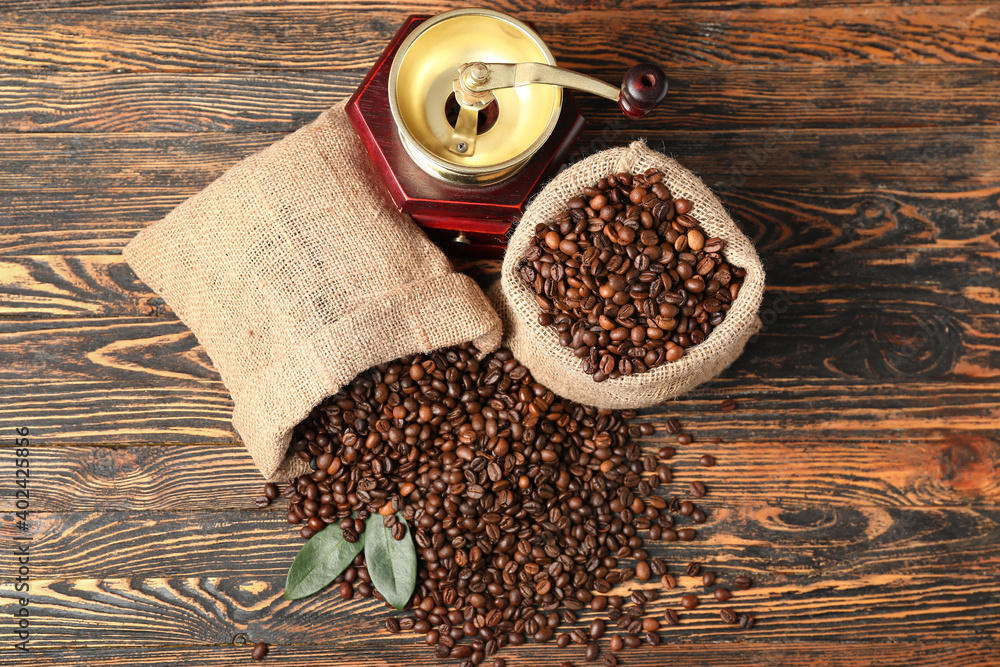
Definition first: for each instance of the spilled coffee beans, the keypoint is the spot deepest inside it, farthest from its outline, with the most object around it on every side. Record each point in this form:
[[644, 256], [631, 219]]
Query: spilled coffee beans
[[524, 508]]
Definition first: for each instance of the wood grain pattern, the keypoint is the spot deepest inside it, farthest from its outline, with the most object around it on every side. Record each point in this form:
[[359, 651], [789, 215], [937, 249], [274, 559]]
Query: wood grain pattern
[[858, 480], [513, 7], [298, 37], [701, 98], [807, 186], [104, 286], [210, 610], [140, 377], [379, 653], [937, 468], [818, 541], [778, 219]]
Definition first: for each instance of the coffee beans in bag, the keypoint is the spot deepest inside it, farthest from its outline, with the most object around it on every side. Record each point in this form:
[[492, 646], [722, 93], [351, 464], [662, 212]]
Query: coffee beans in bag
[[627, 283], [296, 272]]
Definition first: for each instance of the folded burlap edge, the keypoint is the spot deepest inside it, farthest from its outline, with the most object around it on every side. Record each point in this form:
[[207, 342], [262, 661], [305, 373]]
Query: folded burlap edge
[[539, 349], [401, 314]]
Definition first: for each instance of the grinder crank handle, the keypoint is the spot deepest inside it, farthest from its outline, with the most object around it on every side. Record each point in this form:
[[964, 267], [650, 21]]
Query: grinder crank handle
[[643, 88]]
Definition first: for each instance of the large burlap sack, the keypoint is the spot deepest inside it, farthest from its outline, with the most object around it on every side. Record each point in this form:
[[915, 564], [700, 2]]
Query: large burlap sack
[[538, 348], [296, 272]]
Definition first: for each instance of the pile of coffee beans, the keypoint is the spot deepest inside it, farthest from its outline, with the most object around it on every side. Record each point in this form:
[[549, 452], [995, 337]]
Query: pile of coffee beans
[[627, 276], [526, 509]]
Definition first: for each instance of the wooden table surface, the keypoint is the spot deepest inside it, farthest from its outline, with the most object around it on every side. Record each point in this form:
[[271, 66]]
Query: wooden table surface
[[857, 144]]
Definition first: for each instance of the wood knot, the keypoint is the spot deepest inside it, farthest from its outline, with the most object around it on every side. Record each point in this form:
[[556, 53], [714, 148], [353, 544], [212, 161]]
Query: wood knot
[[884, 344], [968, 463]]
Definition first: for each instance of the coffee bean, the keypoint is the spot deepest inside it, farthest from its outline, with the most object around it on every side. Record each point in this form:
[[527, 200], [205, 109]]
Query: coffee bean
[[543, 635], [722, 594], [346, 591], [259, 651], [728, 615], [610, 661], [742, 582], [684, 439], [692, 569], [697, 489], [592, 651], [728, 405], [708, 579], [689, 601], [616, 643], [392, 625], [746, 621], [707, 460], [596, 628], [670, 616], [652, 639]]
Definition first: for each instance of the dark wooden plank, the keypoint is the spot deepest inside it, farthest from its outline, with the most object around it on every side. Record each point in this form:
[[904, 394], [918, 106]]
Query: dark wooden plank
[[138, 398], [99, 579], [882, 307], [209, 476], [299, 37], [91, 193], [721, 651], [211, 610], [429, 7], [779, 219], [902, 335], [75, 286], [701, 98], [104, 286], [934, 468]]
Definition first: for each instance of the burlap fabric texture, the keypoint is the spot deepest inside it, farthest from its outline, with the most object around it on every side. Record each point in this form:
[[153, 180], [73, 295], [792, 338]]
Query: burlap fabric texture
[[296, 272], [538, 347]]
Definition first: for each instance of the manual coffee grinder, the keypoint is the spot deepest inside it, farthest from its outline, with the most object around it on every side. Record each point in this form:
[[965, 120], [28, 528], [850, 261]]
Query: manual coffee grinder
[[466, 114]]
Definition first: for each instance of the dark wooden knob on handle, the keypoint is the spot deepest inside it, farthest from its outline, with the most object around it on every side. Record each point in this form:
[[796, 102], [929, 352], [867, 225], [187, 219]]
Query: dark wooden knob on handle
[[643, 88]]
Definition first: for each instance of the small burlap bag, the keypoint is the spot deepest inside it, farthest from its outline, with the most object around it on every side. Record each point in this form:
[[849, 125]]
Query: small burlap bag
[[538, 348], [296, 272]]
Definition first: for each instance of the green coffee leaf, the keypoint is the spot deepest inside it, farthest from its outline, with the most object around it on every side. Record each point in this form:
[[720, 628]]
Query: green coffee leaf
[[391, 563], [320, 561]]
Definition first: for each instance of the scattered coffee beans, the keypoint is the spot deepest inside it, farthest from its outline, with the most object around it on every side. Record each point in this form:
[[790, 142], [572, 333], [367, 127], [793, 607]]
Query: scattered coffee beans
[[521, 504], [628, 277], [259, 651]]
